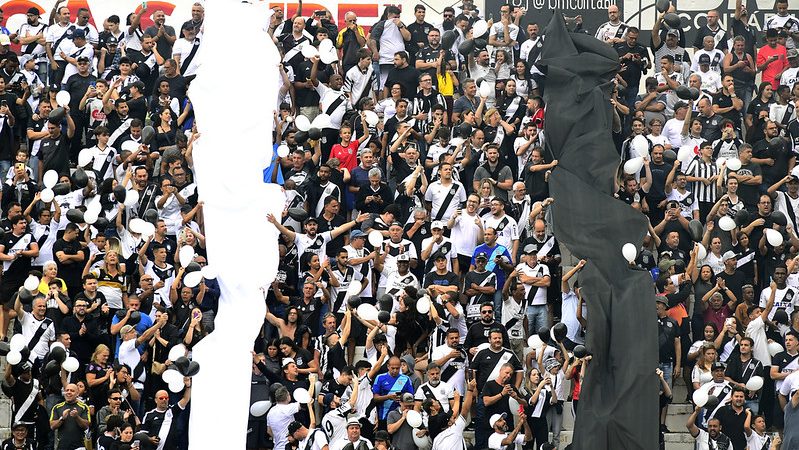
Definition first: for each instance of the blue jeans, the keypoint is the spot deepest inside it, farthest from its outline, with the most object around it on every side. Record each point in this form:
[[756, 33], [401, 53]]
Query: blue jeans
[[481, 429], [498, 305], [754, 405], [537, 318], [668, 370], [5, 165]]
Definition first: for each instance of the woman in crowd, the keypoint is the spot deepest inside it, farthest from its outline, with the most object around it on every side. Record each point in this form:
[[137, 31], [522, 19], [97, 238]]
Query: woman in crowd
[[99, 373]]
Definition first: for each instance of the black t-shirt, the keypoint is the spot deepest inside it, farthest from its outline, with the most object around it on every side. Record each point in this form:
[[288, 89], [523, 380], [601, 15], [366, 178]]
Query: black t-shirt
[[77, 85], [725, 101], [137, 108], [407, 77], [491, 389], [323, 225], [19, 268], [70, 273], [154, 419], [711, 127], [54, 154], [448, 279], [430, 55], [485, 361], [750, 193], [734, 282], [177, 86], [304, 96], [755, 133], [667, 331], [733, 425], [309, 312], [636, 65], [8, 444]]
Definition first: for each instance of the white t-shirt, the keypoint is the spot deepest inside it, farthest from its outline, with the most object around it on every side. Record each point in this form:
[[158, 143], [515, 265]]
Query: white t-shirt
[[458, 378], [570, 302], [512, 310], [183, 48], [672, 129], [757, 331], [452, 437], [509, 231], [320, 440], [391, 42], [443, 393], [495, 441], [464, 234], [129, 354], [785, 299], [711, 81], [437, 192], [702, 440], [29, 327], [54, 33], [278, 420], [334, 423], [540, 270]]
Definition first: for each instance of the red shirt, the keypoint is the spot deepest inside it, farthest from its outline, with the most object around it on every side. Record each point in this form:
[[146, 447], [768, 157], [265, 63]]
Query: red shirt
[[348, 156], [775, 67]]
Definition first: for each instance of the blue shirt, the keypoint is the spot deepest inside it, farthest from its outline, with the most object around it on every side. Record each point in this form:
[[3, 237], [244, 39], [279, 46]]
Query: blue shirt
[[385, 384], [272, 167], [145, 323], [492, 266]]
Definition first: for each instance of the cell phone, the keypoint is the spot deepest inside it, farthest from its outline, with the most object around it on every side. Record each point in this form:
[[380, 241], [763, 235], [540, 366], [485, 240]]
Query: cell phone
[[19, 166], [320, 13]]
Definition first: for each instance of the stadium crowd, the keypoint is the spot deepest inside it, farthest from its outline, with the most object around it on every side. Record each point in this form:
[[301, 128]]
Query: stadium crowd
[[421, 291]]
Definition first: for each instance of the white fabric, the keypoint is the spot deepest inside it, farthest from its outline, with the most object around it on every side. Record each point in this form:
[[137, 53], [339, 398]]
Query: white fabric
[[233, 191]]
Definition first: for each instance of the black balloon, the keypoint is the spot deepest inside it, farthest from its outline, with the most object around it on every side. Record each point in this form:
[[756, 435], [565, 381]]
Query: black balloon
[[543, 333], [134, 319], [580, 351], [742, 218], [26, 353], [101, 224], [672, 20], [480, 43], [694, 93], [56, 116], [354, 302], [298, 214], [465, 130], [147, 135], [151, 215], [712, 402], [25, 296], [120, 193], [560, 330], [314, 134], [193, 369], [466, 47], [695, 227], [193, 267], [80, 179], [52, 369], [62, 188], [779, 218], [683, 92], [448, 39], [58, 354], [4, 348], [384, 316], [75, 216], [106, 187], [181, 364], [301, 137], [662, 5], [386, 302]]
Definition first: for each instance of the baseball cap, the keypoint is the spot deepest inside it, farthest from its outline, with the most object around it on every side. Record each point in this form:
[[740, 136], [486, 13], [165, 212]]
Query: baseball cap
[[111, 40], [311, 219], [34, 11], [793, 53], [294, 427], [718, 365], [680, 104], [729, 254], [530, 249], [79, 34], [704, 59], [493, 420], [404, 257], [481, 255], [437, 225], [84, 59], [661, 298], [126, 329], [4, 39], [382, 436], [19, 425], [439, 255], [286, 362], [672, 32], [666, 264], [357, 234]]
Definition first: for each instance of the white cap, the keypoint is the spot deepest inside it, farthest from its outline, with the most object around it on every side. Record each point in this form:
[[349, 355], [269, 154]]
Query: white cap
[[493, 420]]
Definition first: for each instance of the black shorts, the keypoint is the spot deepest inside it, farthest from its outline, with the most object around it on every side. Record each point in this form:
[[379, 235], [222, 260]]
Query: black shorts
[[256, 432], [7, 290]]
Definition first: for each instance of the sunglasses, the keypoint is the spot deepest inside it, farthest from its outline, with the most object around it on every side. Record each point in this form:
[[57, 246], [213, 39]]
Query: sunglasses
[[486, 312], [163, 398], [116, 399]]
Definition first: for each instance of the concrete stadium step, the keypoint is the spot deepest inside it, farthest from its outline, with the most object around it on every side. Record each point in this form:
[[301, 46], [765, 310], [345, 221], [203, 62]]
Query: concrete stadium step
[[674, 441]]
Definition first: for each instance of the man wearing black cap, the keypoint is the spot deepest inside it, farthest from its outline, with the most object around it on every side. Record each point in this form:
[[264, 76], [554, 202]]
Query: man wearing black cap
[[19, 439], [185, 52], [23, 390], [74, 50], [711, 80], [77, 83]]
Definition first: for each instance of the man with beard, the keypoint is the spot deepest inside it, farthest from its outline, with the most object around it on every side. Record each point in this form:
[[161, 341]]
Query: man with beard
[[787, 201], [318, 192], [548, 254], [505, 226], [30, 36], [773, 154], [466, 231], [502, 439], [163, 35], [712, 438], [536, 175], [427, 57], [498, 174], [312, 242], [420, 31], [82, 330], [741, 368], [727, 104], [334, 102], [445, 196]]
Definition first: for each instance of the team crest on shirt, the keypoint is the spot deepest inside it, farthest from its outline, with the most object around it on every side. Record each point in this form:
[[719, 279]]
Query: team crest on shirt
[[789, 295], [453, 191], [423, 231], [44, 326], [668, 324], [689, 200]]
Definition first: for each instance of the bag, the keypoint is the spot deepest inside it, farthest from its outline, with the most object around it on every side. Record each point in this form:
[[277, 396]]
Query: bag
[[157, 368]]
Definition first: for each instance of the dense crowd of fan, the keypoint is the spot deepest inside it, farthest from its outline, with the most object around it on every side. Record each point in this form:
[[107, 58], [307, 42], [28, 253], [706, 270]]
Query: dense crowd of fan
[[421, 291]]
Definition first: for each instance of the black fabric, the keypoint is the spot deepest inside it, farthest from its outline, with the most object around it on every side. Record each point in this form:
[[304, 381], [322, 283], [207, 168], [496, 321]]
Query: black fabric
[[618, 406]]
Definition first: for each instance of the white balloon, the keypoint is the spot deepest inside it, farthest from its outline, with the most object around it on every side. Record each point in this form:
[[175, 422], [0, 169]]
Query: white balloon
[[282, 150], [130, 146], [325, 44], [353, 290], [136, 225], [329, 56], [367, 311], [322, 121], [726, 223], [17, 342], [720, 160], [514, 406], [176, 386], [309, 51], [31, 283], [704, 377], [456, 141], [795, 172], [63, 98], [629, 251], [413, 418], [773, 237], [774, 348], [480, 28], [148, 230], [534, 341], [47, 195], [50, 178], [176, 352], [186, 255], [14, 357], [422, 443], [686, 153], [70, 364], [733, 164], [258, 409], [700, 397], [423, 305], [85, 157], [302, 123], [701, 252], [301, 395], [131, 198], [754, 383], [193, 279], [209, 272], [371, 118], [640, 145], [485, 89], [375, 238], [172, 376], [94, 205], [56, 344], [90, 216], [634, 165]]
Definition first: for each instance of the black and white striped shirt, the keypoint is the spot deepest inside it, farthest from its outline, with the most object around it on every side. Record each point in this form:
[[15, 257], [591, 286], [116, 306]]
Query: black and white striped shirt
[[701, 169]]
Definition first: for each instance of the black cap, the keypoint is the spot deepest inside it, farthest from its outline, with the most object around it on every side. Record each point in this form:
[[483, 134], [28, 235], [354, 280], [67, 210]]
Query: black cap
[[382, 436], [34, 11], [704, 58], [481, 255], [111, 40], [439, 255], [84, 59], [718, 365], [293, 427], [311, 219], [79, 33]]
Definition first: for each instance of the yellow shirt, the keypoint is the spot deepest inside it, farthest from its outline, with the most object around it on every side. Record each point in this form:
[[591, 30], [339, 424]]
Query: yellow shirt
[[445, 85]]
